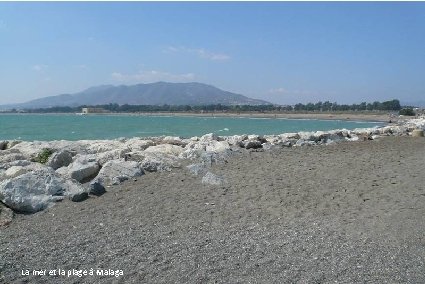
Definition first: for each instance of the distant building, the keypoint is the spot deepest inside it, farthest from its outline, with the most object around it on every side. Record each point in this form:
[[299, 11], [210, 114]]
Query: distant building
[[87, 110]]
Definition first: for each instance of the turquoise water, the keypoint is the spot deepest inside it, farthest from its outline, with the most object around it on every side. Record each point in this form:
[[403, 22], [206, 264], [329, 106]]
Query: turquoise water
[[77, 127]]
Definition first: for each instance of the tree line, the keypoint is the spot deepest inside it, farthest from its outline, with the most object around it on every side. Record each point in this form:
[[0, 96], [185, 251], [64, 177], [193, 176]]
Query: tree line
[[392, 105]]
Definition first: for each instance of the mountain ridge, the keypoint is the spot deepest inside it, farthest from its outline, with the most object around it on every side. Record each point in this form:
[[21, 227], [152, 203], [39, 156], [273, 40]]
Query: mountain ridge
[[158, 93]]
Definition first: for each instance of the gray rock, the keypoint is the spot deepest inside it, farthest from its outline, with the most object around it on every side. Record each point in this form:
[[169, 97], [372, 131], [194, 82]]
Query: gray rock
[[78, 197], [209, 137], [212, 179], [59, 159], [252, 144], [96, 188], [116, 171], [154, 162], [36, 190], [82, 169], [8, 157], [210, 158], [165, 149], [3, 145]]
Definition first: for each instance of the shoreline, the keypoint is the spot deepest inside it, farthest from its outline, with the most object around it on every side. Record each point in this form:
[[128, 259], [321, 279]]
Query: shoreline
[[376, 117]]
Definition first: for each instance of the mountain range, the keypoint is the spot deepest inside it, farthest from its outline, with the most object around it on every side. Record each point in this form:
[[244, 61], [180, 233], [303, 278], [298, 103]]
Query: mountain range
[[159, 93]]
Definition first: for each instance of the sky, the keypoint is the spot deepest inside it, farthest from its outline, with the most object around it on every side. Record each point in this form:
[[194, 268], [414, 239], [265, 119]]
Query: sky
[[283, 52]]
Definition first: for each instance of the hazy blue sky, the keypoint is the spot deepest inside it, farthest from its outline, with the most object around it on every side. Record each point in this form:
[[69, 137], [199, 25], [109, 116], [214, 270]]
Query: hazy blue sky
[[281, 52]]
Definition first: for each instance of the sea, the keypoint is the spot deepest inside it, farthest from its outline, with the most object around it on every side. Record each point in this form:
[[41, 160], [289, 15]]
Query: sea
[[47, 127]]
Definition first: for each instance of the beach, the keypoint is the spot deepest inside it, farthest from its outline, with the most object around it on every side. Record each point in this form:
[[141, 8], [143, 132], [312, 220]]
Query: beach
[[346, 212], [354, 116]]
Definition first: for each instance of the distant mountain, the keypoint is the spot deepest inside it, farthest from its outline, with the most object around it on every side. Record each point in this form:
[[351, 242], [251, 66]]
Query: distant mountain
[[159, 93]]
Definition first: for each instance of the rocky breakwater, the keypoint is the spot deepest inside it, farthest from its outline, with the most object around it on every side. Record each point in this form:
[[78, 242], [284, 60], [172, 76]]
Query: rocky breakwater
[[36, 175]]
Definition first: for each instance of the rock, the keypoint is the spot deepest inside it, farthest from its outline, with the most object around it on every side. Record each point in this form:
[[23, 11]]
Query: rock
[[137, 144], [59, 159], [8, 157], [418, 133], [177, 141], [78, 197], [103, 158], [96, 188], [197, 169], [3, 145], [209, 158], [209, 137], [212, 179], [252, 144], [217, 146], [236, 139], [117, 171], [191, 154], [14, 171], [137, 156], [36, 190], [83, 169], [6, 215], [154, 162], [12, 143], [165, 149]]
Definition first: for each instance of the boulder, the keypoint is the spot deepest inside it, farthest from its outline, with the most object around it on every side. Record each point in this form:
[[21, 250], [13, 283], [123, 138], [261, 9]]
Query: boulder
[[59, 159], [157, 161], [209, 137], [217, 146], [8, 157], [213, 179], [137, 144], [83, 169], [21, 163], [96, 188], [236, 139], [116, 171], [252, 144], [36, 190], [14, 171], [12, 143], [191, 154], [3, 145], [165, 149], [210, 158]]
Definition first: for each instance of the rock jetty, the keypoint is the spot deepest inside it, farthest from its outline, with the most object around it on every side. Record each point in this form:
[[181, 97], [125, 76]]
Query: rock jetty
[[36, 175]]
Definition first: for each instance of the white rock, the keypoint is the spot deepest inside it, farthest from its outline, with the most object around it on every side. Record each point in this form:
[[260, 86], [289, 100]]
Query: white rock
[[82, 169], [116, 171], [158, 161], [165, 149], [14, 171]]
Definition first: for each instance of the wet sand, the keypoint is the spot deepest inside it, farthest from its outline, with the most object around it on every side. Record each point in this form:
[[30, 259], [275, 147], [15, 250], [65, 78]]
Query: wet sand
[[351, 213]]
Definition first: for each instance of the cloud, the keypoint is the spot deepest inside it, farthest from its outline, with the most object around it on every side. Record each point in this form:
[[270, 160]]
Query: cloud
[[152, 76], [200, 52], [2, 25], [39, 67]]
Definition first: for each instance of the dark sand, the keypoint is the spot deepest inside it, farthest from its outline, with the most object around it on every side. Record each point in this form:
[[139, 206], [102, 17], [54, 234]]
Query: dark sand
[[347, 213]]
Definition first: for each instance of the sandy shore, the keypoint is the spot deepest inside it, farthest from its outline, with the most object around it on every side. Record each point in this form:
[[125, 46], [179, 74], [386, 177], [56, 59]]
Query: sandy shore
[[352, 212], [381, 117]]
